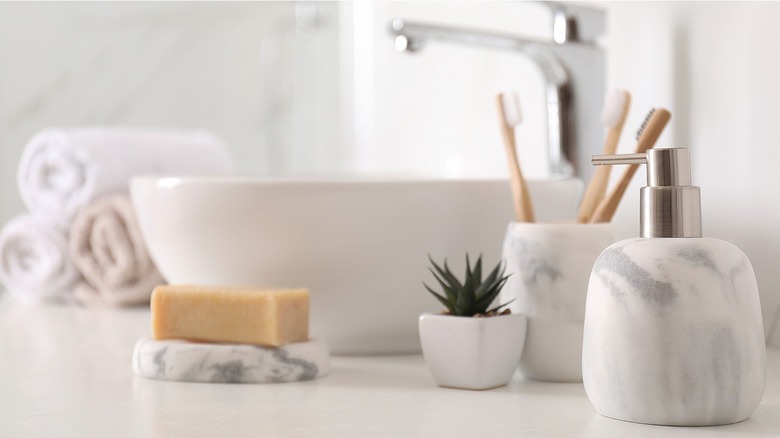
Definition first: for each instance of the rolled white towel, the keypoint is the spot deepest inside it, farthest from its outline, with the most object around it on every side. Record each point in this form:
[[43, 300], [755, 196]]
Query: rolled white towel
[[107, 247], [61, 170], [34, 261]]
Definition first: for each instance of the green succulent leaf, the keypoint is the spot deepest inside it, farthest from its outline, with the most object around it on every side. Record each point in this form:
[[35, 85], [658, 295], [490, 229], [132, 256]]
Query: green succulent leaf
[[467, 296], [491, 279], [448, 291], [477, 273], [441, 299], [498, 308], [491, 294], [471, 296], [490, 288], [467, 278], [446, 275]]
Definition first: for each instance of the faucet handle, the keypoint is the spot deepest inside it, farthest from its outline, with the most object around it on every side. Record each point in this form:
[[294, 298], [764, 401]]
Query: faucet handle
[[575, 23], [564, 27]]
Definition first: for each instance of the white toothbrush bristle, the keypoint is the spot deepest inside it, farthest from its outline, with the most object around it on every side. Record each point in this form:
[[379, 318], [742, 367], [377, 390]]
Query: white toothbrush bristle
[[511, 103], [614, 105]]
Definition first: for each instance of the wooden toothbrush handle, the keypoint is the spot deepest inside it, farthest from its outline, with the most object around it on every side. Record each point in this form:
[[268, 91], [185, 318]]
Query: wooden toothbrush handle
[[655, 125], [609, 205], [521, 198], [597, 187], [594, 194]]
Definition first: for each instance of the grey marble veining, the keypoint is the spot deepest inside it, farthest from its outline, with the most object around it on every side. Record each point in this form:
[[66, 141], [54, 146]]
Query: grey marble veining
[[230, 363], [673, 333], [550, 265]]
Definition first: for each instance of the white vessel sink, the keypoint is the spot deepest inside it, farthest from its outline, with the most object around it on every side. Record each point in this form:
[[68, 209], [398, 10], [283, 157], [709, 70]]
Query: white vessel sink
[[360, 246]]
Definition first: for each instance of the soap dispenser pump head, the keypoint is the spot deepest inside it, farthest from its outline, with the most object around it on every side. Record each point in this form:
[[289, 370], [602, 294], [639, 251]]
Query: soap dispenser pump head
[[669, 205]]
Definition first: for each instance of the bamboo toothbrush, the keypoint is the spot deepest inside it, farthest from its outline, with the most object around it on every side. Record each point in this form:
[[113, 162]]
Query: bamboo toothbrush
[[508, 106], [613, 116], [648, 134]]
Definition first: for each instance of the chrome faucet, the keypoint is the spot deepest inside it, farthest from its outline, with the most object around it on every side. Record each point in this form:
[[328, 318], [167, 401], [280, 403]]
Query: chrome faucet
[[572, 65]]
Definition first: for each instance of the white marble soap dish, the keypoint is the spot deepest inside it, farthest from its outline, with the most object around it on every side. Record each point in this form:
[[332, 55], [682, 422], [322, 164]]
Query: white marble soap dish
[[184, 361]]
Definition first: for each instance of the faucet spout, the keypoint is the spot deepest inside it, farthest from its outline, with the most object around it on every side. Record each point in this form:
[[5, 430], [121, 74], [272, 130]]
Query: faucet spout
[[565, 114], [410, 36]]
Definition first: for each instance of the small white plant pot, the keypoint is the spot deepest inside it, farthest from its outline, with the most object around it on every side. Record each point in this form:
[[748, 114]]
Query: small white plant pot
[[550, 267], [472, 353]]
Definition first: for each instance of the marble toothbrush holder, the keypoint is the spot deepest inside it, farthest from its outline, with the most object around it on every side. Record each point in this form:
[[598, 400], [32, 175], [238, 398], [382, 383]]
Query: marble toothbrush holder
[[550, 266]]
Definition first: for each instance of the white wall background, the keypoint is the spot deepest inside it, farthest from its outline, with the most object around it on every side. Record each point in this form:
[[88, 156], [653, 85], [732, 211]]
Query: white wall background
[[433, 112], [237, 68], [716, 66], [276, 90]]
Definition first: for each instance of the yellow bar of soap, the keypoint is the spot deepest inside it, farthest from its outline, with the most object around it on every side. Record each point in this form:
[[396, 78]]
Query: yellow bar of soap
[[270, 317]]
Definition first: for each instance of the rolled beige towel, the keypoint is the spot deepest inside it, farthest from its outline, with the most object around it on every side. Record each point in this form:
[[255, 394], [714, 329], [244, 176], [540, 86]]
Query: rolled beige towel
[[34, 262], [107, 247]]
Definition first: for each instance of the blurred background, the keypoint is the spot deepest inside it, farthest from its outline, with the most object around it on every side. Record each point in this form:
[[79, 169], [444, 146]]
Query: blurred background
[[316, 88]]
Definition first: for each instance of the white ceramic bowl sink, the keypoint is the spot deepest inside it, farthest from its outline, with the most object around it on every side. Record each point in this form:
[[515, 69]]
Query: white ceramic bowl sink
[[360, 246]]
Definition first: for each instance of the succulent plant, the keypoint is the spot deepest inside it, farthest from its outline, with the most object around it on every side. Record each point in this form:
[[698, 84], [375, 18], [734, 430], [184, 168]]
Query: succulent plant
[[473, 296]]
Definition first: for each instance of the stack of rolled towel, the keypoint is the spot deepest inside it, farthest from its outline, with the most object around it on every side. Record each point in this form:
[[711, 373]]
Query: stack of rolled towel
[[80, 241]]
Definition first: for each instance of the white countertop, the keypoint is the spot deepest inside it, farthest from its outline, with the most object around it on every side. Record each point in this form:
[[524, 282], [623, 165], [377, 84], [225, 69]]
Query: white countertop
[[66, 373]]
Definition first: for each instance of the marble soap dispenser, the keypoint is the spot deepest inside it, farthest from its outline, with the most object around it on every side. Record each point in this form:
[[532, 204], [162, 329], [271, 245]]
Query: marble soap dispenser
[[673, 331]]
